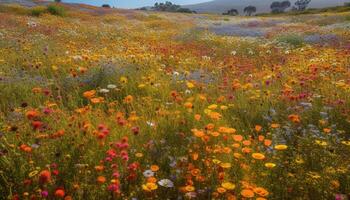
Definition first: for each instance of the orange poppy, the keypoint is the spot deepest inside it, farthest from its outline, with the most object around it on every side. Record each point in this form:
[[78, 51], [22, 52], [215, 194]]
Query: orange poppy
[[154, 168], [258, 156], [247, 193], [247, 142], [237, 138]]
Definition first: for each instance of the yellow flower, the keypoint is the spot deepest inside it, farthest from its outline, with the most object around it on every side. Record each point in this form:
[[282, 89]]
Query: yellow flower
[[321, 143], [270, 165], [226, 165], [33, 173], [212, 107], [141, 86], [123, 80], [228, 185], [189, 85], [281, 147], [216, 161], [149, 186], [189, 188], [347, 143], [139, 155], [223, 107]]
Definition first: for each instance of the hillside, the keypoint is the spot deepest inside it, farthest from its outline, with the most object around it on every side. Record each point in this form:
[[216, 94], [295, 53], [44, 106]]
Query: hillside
[[220, 6]]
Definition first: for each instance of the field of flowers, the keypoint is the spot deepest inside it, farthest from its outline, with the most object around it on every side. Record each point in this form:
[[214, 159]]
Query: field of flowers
[[119, 104]]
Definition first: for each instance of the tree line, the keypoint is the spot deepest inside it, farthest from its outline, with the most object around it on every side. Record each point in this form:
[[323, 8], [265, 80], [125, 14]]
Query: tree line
[[276, 7]]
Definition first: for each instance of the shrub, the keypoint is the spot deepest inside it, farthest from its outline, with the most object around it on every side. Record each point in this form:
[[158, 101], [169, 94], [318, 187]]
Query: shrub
[[291, 39], [56, 10], [38, 11]]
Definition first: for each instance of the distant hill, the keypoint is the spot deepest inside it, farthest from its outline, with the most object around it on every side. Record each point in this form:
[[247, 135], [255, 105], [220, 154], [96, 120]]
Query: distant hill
[[220, 6], [28, 3]]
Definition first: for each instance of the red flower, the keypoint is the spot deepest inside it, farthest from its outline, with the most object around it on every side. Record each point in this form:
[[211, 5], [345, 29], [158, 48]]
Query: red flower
[[45, 176], [59, 193]]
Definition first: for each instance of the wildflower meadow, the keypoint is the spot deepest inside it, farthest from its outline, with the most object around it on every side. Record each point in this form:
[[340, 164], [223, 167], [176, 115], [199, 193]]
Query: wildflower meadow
[[100, 103]]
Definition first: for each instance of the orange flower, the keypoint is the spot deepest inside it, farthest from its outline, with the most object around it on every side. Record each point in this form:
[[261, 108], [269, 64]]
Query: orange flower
[[247, 142], [294, 118], [89, 94], [99, 168], [261, 191], [197, 133], [246, 150], [209, 126], [258, 128], [154, 168], [195, 156], [236, 145], [275, 125], [327, 130], [101, 179], [237, 155], [197, 117], [221, 190], [237, 138], [247, 193], [45, 176], [188, 105], [267, 142], [32, 114], [195, 172], [97, 100], [261, 138], [258, 156], [215, 133], [151, 180], [68, 198], [128, 99]]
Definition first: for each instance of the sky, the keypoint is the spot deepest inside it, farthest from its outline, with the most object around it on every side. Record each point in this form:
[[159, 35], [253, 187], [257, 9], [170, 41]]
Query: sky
[[132, 3]]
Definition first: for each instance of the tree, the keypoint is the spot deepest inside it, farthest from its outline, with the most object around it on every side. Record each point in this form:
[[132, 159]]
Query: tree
[[275, 7], [250, 10], [232, 12], [106, 6], [58, 1], [279, 7], [285, 5], [301, 5], [170, 7]]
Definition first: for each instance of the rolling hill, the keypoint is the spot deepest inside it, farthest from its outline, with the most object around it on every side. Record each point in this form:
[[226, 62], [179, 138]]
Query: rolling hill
[[220, 6]]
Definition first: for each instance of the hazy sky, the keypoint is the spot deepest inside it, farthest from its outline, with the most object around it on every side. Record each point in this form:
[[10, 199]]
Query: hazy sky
[[131, 3]]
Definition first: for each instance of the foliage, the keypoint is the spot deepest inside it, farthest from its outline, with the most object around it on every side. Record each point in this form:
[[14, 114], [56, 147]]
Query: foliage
[[279, 7], [301, 5], [232, 12], [249, 10], [38, 11], [291, 39], [170, 7], [55, 9]]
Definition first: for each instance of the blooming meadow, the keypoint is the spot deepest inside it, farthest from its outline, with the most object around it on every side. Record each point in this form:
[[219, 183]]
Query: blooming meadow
[[120, 104]]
